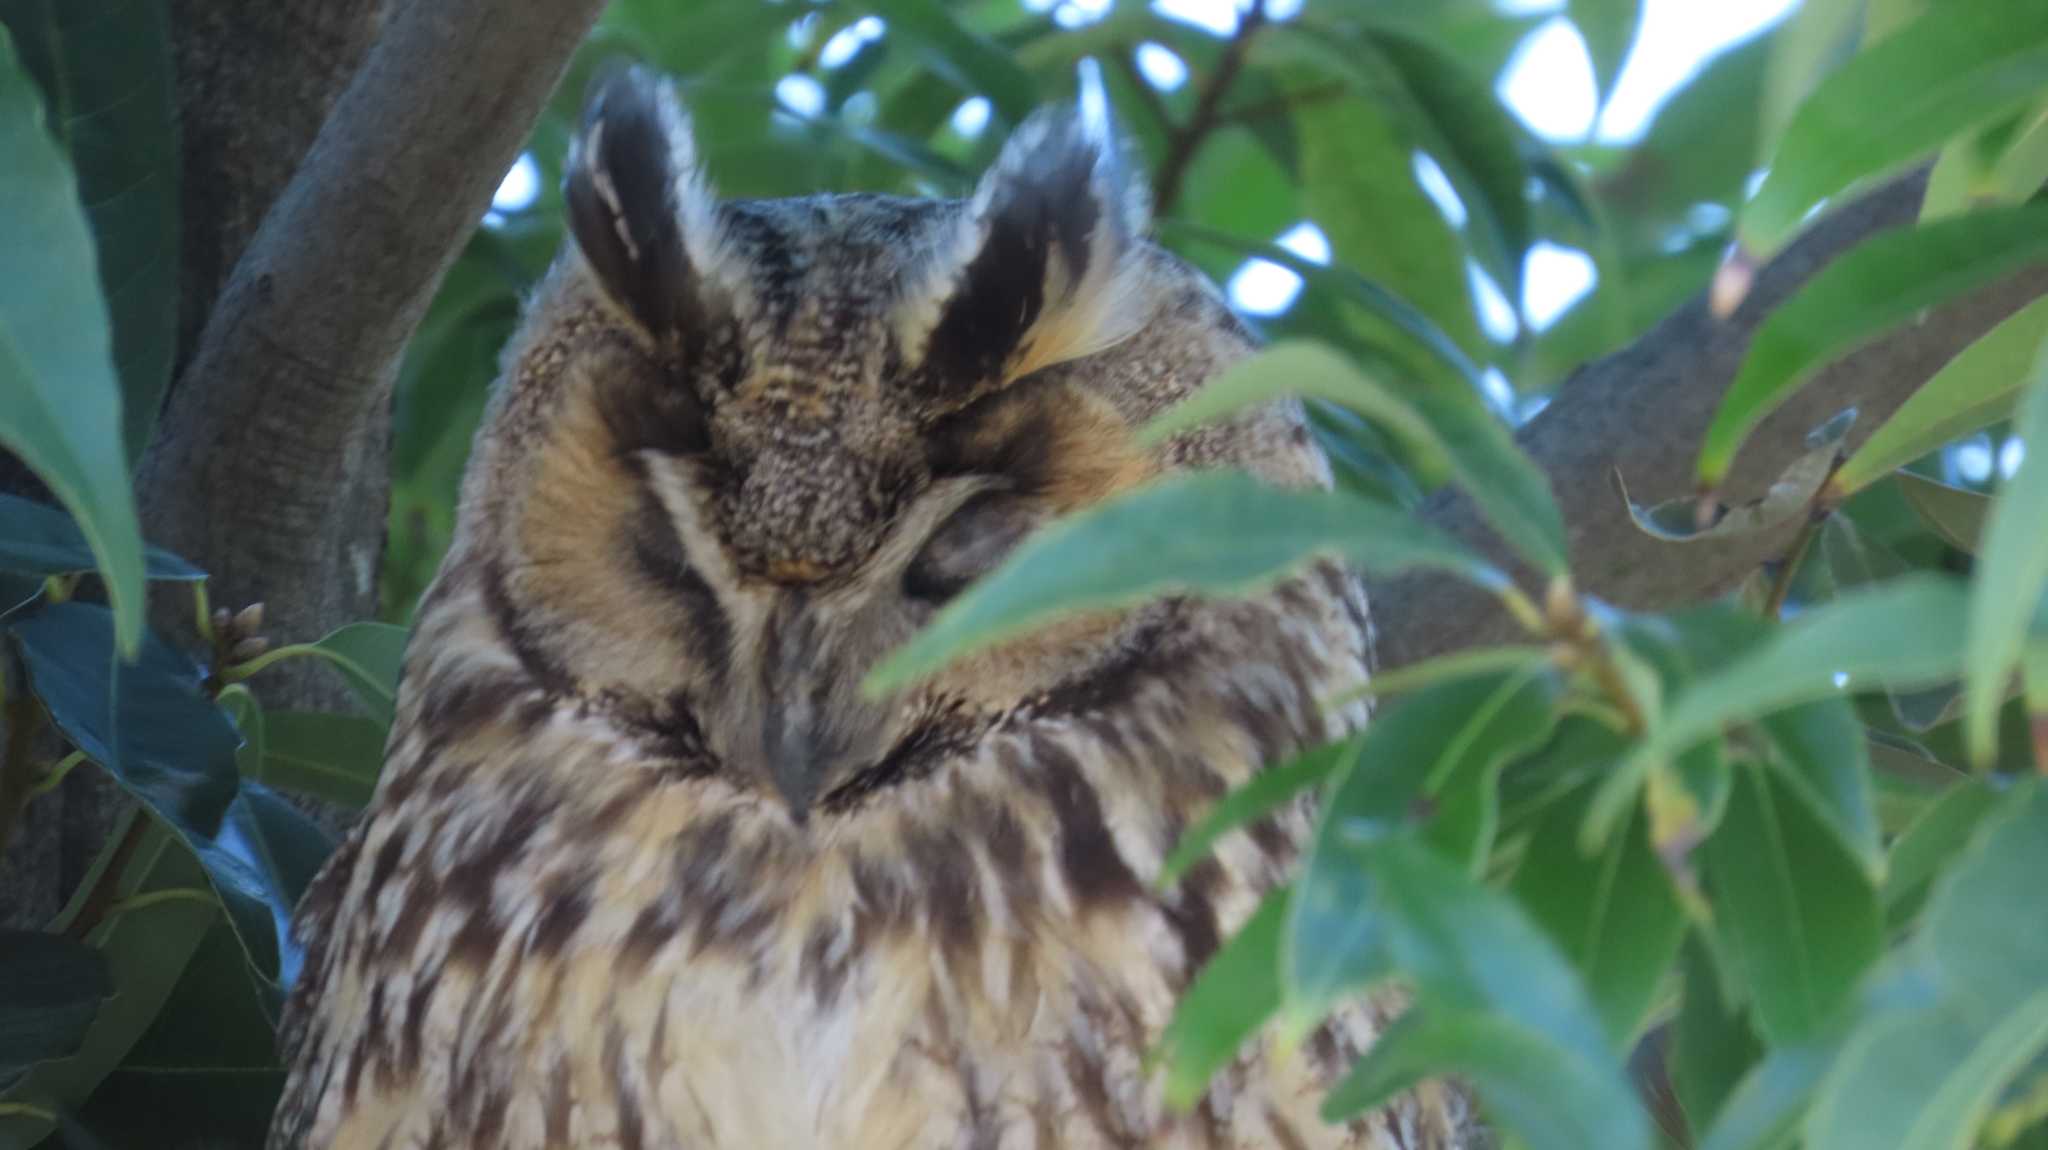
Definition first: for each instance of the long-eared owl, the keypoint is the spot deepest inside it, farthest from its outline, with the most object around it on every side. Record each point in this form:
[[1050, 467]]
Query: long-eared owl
[[647, 869]]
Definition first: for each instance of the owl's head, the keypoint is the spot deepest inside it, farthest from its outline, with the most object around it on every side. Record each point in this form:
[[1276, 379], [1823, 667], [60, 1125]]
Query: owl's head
[[744, 449]]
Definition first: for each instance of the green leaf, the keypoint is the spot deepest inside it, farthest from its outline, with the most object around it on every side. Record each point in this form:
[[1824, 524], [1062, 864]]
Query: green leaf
[[1470, 949], [1882, 283], [1971, 934], [170, 746], [1444, 433], [37, 539], [1401, 317], [1613, 912], [1609, 28], [104, 67], [1232, 997], [1796, 914], [2011, 569], [1818, 748], [328, 756], [1931, 843], [1956, 515], [1358, 181], [1902, 633], [1958, 66], [167, 744], [1766, 1105], [146, 950], [1712, 1044], [60, 406], [1475, 139], [1549, 1098], [1973, 390], [50, 989], [1924, 1080], [1465, 785], [968, 61], [370, 656], [1268, 791], [1212, 533], [1334, 942]]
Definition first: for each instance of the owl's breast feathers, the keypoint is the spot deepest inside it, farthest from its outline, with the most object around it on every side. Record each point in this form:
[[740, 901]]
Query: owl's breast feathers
[[547, 933]]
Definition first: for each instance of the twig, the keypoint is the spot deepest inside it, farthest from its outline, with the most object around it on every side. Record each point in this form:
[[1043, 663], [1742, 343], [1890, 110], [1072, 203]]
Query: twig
[[1284, 102], [97, 900], [1781, 584], [1181, 148]]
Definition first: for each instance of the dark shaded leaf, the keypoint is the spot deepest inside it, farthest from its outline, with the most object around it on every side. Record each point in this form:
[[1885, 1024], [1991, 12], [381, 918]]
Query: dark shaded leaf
[[105, 70], [1613, 912], [1712, 1043], [1795, 913], [1212, 533], [1956, 515], [37, 539], [50, 989], [60, 404], [370, 656]]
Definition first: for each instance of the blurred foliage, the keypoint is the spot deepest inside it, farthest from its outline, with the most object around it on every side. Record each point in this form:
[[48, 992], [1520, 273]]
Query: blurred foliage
[[1754, 836]]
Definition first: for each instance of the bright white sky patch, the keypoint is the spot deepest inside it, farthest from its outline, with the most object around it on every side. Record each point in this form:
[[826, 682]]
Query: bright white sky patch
[[1431, 176], [1676, 38], [800, 94], [1972, 460], [1262, 287], [848, 41], [971, 117], [1077, 13], [1549, 80], [1554, 278], [1160, 67], [520, 187], [2011, 454], [1496, 314], [1219, 17]]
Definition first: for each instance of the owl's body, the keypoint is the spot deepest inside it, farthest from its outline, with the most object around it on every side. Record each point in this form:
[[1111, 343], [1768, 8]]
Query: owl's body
[[646, 870]]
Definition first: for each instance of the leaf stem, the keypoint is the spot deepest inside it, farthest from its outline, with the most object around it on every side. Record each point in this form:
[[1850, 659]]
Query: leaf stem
[[26, 1110], [241, 671], [151, 898], [54, 777]]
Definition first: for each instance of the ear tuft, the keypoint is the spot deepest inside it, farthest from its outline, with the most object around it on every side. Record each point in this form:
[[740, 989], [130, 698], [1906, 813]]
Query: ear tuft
[[636, 199], [1041, 268]]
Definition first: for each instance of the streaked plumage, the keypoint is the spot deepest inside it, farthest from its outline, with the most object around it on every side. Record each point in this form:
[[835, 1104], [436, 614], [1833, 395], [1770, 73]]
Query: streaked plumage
[[645, 870]]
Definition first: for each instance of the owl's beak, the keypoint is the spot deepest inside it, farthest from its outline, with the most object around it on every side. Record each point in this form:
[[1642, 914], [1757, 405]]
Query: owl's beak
[[814, 724]]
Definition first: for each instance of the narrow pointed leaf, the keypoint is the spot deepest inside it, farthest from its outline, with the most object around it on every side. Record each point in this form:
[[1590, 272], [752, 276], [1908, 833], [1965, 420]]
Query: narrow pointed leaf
[[1932, 842], [1613, 911], [1609, 28], [1231, 998], [105, 71], [1549, 1098], [966, 59], [1957, 66], [1974, 389], [2011, 569], [60, 403], [1956, 515], [1334, 942], [1269, 790], [1903, 633], [50, 989], [37, 539], [1880, 284], [1214, 533], [1796, 914], [1924, 1080], [1439, 432], [1712, 1043]]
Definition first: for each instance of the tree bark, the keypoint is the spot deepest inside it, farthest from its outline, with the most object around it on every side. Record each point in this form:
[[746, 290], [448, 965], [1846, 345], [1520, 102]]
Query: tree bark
[[1644, 410], [269, 466]]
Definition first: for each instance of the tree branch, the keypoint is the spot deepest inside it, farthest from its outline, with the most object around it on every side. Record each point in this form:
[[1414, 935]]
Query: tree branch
[[1644, 409], [1181, 148], [269, 465]]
